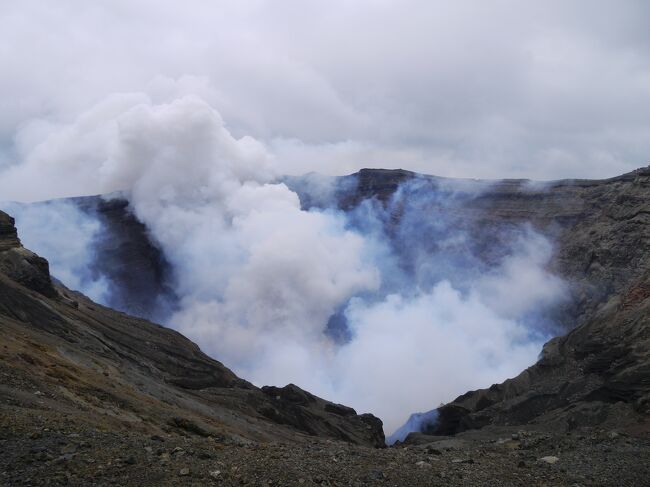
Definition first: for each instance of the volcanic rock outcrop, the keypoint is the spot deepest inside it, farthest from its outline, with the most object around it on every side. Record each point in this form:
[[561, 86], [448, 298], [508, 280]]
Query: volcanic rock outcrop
[[20, 264]]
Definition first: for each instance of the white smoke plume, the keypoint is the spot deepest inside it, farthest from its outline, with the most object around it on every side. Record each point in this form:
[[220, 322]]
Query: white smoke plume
[[259, 278]]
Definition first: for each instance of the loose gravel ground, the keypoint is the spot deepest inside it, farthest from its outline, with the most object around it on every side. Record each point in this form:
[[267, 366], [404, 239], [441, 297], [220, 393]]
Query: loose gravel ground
[[49, 452]]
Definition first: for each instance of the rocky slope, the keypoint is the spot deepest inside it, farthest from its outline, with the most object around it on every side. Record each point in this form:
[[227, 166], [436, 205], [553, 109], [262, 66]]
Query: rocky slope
[[108, 368]]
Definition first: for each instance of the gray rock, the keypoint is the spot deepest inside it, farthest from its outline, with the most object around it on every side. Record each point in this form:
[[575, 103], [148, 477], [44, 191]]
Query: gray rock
[[551, 460]]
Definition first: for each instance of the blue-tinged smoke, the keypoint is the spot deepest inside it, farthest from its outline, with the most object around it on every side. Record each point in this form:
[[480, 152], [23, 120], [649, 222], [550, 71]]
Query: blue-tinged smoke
[[416, 422]]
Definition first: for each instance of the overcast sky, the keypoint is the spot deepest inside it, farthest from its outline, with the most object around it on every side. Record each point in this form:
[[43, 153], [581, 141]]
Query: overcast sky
[[492, 89]]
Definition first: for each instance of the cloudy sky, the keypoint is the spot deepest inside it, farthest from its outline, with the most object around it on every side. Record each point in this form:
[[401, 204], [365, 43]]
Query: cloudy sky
[[493, 89]]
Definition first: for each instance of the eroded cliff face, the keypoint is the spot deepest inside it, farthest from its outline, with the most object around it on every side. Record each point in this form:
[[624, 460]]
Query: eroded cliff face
[[8, 234], [21, 265], [112, 371]]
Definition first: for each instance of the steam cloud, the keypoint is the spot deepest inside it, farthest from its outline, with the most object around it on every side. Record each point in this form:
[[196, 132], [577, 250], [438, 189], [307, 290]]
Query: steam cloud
[[260, 276], [416, 422]]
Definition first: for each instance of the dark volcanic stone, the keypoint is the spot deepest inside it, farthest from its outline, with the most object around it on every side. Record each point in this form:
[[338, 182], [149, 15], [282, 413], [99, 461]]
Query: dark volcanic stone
[[8, 234], [20, 264]]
